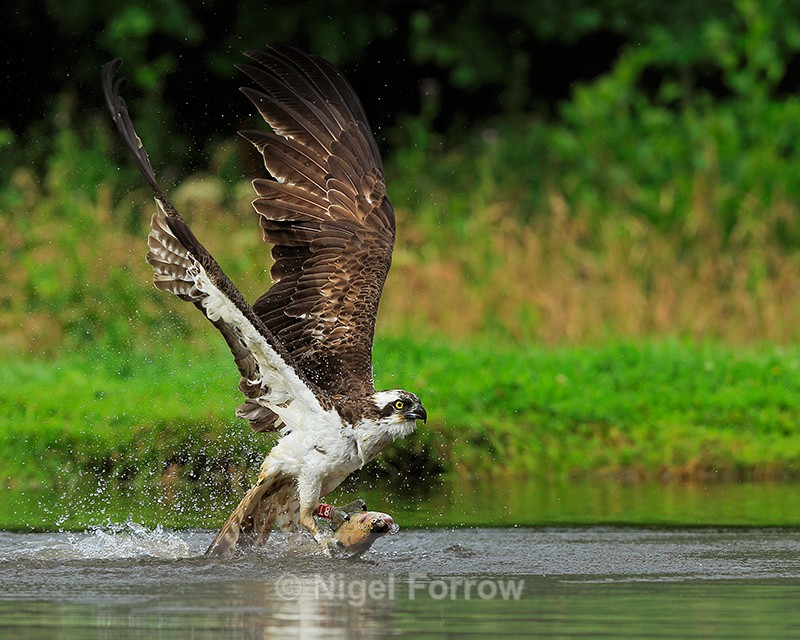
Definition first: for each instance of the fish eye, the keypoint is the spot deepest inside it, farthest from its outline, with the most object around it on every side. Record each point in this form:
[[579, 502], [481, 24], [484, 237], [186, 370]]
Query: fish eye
[[399, 404]]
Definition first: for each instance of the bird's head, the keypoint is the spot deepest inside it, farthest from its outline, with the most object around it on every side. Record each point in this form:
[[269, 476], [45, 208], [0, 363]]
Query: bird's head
[[399, 408], [394, 415]]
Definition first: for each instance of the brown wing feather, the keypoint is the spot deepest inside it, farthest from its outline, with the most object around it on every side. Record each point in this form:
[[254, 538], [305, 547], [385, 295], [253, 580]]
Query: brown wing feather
[[326, 215]]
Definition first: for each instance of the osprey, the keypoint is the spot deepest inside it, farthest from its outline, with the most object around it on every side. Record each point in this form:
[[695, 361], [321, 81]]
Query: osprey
[[304, 348]]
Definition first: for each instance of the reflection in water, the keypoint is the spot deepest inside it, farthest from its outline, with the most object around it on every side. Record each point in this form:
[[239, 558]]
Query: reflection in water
[[496, 503], [552, 609], [278, 610]]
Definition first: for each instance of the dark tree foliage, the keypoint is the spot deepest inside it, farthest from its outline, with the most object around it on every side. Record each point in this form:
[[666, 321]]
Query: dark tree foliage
[[480, 58]]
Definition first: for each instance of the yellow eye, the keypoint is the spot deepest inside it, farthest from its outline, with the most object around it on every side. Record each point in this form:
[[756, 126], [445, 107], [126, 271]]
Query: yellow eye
[[399, 404]]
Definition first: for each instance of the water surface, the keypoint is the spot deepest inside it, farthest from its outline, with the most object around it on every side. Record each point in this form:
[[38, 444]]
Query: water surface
[[130, 581], [677, 569]]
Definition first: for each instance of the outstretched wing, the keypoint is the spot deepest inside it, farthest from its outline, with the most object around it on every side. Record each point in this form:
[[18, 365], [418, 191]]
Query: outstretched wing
[[184, 267], [326, 215]]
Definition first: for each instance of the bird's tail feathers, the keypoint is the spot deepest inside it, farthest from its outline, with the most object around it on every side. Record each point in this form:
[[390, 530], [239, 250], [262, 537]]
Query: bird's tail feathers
[[252, 520]]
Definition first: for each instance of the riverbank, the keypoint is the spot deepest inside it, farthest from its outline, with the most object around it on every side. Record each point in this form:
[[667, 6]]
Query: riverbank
[[660, 411]]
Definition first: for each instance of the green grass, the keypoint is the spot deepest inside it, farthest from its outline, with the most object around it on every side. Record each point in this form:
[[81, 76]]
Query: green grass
[[667, 410]]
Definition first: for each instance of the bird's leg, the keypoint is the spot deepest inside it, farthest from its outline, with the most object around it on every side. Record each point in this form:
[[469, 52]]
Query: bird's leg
[[308, 492], [308, 523], [309, 501]]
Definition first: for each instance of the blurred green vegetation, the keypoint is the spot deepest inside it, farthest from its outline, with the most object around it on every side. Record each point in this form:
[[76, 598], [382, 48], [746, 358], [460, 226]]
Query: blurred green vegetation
[[659, 411], [653, 203]]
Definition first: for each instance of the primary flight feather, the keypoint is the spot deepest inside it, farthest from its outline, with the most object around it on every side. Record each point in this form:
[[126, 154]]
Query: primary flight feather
[[304, 348]]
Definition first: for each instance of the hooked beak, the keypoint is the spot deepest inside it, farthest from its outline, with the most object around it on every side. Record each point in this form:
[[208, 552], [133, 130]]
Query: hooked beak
[[417, 413]]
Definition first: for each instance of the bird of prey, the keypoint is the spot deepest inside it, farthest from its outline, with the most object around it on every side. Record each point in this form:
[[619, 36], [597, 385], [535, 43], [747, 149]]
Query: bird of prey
[[304, 348]]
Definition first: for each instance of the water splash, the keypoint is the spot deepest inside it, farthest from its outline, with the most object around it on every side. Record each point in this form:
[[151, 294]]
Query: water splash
[[110, 541], [130, 540]]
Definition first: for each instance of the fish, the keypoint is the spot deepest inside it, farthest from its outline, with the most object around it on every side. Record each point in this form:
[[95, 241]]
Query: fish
[[354, 528], [360, 531]]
